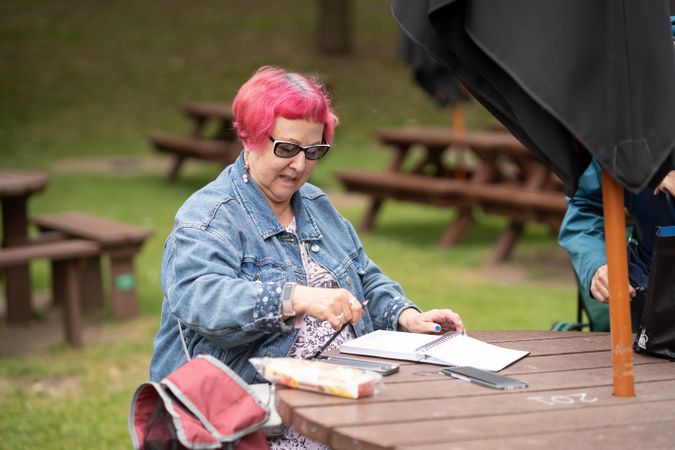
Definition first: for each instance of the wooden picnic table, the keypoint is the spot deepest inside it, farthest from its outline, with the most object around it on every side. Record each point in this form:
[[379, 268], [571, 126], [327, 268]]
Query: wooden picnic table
[[487, 169], [212, 137], [121, 242], [569, 403], [16, 187]]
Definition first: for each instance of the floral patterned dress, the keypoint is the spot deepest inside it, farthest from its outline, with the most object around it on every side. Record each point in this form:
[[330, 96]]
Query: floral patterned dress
[[312, 335]]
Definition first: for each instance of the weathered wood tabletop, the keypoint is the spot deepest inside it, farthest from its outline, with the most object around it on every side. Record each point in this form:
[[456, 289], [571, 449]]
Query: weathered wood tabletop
[[568, 404]]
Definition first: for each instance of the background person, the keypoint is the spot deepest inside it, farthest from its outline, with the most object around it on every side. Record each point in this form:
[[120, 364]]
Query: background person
[[582, 234], [259, 262]]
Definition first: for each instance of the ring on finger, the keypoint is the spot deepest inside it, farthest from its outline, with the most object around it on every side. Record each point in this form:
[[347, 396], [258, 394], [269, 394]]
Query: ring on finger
[[341, 317]]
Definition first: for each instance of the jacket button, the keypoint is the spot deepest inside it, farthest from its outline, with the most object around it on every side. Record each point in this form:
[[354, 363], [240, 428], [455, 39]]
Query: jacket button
[[315, 248], [349, 280]]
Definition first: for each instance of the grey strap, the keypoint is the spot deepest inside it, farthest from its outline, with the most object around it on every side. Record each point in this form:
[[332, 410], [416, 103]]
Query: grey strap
[[182, 339]]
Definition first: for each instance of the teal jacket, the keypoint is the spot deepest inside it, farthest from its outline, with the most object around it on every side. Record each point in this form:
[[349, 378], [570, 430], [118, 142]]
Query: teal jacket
[[582, 230]]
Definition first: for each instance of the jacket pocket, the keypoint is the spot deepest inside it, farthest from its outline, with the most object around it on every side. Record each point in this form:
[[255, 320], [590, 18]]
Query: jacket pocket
[[265, 272]]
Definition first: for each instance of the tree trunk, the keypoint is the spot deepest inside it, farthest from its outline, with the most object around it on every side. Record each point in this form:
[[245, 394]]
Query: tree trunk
[[334, 27]]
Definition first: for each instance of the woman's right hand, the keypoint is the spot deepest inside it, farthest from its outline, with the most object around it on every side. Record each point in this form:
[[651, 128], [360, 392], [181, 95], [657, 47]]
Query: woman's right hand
[[337, 306]]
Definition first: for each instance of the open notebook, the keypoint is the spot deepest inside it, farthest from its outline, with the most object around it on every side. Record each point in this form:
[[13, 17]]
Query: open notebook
[[450, 349]]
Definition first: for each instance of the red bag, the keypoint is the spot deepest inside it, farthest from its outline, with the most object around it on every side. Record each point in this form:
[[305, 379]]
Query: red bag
[[201, 405]]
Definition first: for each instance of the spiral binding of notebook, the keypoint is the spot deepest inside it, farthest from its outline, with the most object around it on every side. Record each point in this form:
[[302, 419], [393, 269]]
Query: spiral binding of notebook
[[436, 342]]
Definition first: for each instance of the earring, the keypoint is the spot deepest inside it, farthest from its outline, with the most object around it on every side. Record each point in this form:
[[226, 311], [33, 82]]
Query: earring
[[245, 175]]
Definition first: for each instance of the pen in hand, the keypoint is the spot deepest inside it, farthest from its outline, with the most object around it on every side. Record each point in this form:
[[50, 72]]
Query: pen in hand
[[332, 338]]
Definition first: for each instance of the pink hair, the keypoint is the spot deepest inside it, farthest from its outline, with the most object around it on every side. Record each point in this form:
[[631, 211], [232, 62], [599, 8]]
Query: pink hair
[[273, 92]]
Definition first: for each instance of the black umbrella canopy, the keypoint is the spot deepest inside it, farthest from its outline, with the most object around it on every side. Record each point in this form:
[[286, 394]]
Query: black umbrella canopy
[[570, 78], [436, 79]]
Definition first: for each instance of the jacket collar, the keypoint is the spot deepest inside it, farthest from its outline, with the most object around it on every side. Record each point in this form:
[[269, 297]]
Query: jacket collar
[[256, 206]]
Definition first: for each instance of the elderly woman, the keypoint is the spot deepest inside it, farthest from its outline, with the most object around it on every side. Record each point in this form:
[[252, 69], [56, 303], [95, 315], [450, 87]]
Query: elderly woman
[[260, 263]]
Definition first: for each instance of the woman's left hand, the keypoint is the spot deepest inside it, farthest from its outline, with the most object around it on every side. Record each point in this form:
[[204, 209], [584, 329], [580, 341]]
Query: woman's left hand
[[432, 321]]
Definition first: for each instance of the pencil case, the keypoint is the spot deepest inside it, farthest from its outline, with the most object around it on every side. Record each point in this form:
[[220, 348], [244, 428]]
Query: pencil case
[[319, 376]]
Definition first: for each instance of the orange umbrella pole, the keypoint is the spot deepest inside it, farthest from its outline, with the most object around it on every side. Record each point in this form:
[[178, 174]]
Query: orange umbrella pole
[[619, 302], [458, 118]]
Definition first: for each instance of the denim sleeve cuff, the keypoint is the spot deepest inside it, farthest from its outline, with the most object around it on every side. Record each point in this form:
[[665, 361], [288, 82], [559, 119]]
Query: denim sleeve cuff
[[267, 310], [393, 310]]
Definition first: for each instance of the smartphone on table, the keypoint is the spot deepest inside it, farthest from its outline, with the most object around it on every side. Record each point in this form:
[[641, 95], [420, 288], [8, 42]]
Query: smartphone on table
[[484, 378]]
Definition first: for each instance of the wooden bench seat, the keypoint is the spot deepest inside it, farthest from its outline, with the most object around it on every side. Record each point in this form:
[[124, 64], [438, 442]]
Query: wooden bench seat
[[437, 191], [70, 254], [515, 197], [120, 241], [54, 250], [206, 149], [406, 187], [221, 146], [183, 147], [519, 204], [449, 192]]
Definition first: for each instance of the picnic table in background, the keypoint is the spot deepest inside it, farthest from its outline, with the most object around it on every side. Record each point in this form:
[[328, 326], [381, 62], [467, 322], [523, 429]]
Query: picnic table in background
[[490, 170], [73, 243], [119, 241], [16, 187], [569, 403], [212, 137], [19, 250]]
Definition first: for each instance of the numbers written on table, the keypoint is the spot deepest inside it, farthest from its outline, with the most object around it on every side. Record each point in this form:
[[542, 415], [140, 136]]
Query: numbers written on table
[[569, 399]]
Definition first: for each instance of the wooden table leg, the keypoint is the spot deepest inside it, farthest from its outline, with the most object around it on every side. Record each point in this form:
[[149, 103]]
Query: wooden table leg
[[72, 318], [59, 282], [394, 167], [17, 292], [175, 168], [123, 297], [17, 281], [458, 228], [506, 241], [537, 175], [369, 219], [91, 284]]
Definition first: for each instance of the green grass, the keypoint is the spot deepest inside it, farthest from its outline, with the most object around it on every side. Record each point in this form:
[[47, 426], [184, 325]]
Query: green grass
[[65, 399], [85, 81]]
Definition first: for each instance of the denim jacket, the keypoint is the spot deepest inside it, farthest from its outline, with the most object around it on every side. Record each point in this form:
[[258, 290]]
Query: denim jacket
[[225, 263]]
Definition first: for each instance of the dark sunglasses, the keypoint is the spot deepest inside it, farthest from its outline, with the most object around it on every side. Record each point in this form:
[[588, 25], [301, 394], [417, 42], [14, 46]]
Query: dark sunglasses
[[285, 149]]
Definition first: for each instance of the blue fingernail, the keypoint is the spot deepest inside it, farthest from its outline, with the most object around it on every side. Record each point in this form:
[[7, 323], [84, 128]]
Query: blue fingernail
[[438, 328]]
